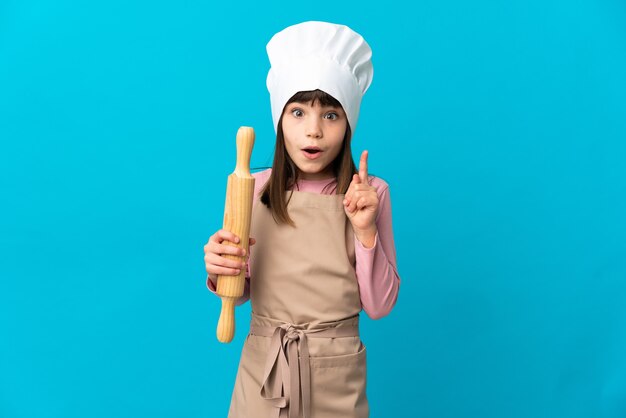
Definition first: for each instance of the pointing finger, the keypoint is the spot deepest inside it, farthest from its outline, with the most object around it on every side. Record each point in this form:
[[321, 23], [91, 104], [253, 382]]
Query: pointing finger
[[363, 167]]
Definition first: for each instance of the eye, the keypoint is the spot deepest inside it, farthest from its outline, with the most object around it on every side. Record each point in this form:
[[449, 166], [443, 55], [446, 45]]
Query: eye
[[297, 112], [332, 115]]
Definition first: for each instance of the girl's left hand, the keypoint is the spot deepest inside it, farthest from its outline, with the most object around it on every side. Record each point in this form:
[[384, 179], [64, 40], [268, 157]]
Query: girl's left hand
[[361, 200]]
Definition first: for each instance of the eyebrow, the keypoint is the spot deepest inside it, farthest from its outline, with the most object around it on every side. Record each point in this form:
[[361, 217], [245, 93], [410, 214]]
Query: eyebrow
[[323, 107]]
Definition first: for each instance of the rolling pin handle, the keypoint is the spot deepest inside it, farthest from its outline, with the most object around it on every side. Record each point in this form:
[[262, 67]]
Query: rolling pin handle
[[226, 323]]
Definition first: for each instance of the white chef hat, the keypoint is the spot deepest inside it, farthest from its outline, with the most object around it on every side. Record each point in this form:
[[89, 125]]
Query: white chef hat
[[319, 55]]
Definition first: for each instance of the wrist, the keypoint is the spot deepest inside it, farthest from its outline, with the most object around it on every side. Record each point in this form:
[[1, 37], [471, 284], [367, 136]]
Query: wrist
[[366, 236]]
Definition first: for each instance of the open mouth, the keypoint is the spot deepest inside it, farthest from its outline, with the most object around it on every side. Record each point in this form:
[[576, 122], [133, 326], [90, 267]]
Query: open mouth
[[312, 150], [312, 153]]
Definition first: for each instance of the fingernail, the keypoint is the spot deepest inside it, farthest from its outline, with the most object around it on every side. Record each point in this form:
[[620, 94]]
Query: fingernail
[[236, 239]]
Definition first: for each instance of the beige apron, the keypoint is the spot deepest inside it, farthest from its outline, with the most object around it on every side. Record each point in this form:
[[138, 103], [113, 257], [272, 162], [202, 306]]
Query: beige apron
[[303, 356]]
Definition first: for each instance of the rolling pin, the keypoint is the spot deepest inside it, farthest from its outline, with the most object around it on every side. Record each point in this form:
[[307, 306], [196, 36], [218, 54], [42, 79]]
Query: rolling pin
[[237, 216]]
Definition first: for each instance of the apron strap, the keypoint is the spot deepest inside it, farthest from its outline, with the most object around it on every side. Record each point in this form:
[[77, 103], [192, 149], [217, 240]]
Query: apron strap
[[288, 362]]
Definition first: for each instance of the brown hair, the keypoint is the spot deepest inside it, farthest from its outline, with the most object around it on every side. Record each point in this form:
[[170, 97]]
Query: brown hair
[[285, 173]]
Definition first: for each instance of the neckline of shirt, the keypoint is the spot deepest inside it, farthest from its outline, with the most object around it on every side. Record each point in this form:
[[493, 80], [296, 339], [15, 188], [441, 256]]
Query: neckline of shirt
[[329, 180]]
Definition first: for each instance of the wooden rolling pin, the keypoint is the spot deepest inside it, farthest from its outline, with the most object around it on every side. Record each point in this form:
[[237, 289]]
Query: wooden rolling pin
[[237, 216]]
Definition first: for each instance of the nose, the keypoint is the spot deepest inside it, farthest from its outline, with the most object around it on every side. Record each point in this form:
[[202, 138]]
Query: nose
[[313, 128]]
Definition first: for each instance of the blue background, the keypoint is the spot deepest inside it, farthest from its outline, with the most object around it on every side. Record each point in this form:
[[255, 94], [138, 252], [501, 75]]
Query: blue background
[[500, 127]]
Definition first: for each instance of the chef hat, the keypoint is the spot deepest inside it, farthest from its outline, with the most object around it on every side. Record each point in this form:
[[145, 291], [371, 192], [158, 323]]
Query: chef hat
[[319, 55]]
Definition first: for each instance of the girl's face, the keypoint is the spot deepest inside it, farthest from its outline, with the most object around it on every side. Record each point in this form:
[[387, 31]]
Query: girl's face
[[313, 137]]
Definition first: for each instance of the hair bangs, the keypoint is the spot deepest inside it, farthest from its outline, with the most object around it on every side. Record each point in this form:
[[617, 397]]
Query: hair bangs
[[313, 96]]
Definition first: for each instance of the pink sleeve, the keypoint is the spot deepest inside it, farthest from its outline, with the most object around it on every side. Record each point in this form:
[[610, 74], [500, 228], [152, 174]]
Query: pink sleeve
[[246, 289], [376, 267]]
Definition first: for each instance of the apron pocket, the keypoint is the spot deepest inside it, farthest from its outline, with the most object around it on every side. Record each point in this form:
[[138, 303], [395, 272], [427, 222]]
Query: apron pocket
[[338, 385], [258, 343]]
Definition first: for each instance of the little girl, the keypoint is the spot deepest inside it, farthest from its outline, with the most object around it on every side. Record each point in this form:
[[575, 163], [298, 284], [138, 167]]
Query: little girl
[[324, 242]]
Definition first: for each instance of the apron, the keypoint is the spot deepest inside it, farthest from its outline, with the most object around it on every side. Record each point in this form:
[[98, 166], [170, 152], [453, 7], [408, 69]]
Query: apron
[[303, 356]]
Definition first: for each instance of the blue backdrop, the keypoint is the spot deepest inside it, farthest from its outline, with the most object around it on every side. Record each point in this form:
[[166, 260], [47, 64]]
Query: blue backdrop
[[500, 127]]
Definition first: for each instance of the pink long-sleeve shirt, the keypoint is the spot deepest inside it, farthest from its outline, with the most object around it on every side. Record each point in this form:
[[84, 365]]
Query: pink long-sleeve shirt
[[376, 267]]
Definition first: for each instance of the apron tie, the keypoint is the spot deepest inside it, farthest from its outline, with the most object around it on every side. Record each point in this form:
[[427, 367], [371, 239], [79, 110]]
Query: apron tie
[[287, 372]]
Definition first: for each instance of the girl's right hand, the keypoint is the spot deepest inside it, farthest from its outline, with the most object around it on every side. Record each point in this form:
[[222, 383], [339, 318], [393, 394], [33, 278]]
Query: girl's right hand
[[214, 250]]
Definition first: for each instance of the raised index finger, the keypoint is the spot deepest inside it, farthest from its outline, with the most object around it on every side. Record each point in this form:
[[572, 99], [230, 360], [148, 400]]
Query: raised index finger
[[363, 167]]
